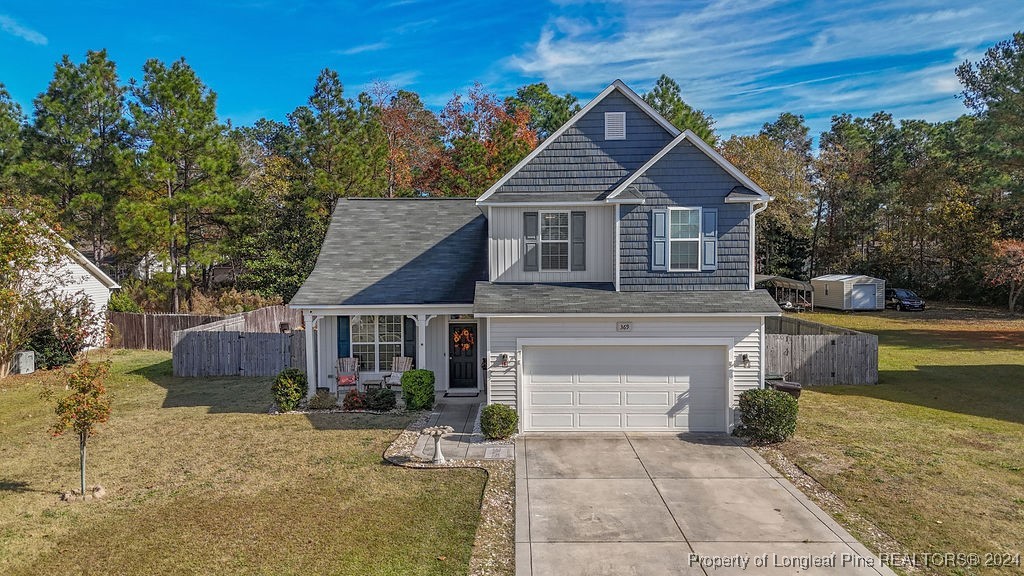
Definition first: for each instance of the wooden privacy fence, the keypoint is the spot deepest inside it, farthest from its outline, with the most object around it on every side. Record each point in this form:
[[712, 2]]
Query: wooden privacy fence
[[816, 354], [235, 353], [257, 343], [151, 331]]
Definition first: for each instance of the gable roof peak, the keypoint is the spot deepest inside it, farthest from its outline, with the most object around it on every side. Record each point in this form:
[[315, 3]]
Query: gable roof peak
[[617, 85]]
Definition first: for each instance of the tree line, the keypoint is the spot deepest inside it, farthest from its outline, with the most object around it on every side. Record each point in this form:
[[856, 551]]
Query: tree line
[[144, 173]]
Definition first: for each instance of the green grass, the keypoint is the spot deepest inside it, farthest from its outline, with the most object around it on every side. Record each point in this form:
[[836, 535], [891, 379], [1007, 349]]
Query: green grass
[[200, 479], [933, 455]]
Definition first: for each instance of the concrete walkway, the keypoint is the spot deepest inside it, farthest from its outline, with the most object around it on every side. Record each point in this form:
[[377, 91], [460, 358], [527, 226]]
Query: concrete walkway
[[615, 504], [463, 444]]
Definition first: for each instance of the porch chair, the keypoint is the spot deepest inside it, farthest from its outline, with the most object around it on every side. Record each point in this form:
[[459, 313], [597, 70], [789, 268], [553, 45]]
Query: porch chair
[[399, 366], [347, 374]]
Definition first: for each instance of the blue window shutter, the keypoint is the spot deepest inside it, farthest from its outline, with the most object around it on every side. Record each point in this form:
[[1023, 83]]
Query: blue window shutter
[[709, 239], [659, 239], [409, 339], [531, 252], [578, 245], [344, 337]]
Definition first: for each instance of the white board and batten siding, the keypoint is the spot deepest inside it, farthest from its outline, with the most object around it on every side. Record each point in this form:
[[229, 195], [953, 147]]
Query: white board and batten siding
[[849, 292], [505, 244], [507, 334]]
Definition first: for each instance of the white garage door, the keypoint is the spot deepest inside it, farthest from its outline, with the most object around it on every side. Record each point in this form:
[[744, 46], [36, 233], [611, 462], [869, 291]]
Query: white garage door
[[864, 297], [625, 388]]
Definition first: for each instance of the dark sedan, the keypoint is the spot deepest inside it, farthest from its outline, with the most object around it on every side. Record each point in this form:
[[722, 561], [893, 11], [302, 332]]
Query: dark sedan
[[902, 299]]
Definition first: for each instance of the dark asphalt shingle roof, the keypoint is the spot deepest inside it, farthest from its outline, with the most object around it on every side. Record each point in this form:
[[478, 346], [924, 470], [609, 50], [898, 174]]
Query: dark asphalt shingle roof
[[494, 298], [399, 251]]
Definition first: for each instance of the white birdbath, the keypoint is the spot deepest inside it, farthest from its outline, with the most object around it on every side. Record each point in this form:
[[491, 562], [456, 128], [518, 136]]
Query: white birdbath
[[437, 432]]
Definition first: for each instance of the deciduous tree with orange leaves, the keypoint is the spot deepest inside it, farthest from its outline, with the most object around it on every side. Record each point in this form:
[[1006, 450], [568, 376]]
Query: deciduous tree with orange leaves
[[483, 140]]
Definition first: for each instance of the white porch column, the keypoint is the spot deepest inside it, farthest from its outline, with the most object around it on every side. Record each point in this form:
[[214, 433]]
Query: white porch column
[[307, 322], [422, 321]]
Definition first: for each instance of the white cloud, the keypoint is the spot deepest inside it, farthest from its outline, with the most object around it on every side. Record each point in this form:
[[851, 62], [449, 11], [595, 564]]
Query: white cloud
[[12, 27], [746, 62], [363, 48]]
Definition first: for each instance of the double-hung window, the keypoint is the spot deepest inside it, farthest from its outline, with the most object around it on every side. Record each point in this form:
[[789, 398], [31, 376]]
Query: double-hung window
[[684, 239], [554, 241], [376, 340]]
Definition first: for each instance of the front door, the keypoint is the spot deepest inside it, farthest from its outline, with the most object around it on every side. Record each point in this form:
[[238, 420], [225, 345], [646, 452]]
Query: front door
[[462, 356]]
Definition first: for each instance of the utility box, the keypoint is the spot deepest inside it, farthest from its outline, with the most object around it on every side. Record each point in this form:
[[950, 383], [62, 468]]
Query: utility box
[[24, 362]]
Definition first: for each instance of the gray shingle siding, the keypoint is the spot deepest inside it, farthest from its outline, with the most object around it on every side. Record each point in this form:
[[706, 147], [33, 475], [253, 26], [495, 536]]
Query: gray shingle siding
[[581, 160], [685, 177]]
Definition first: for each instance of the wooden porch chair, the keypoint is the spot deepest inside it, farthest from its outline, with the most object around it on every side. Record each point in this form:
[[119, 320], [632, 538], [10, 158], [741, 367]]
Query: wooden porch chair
[[399, 366], [347, 374]]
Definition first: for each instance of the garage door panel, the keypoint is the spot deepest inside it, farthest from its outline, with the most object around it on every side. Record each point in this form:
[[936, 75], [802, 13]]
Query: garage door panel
[[552, 421], [635, 421], [599, 379], [660, 398], [625, 388], [599, 421], [551, 398], [600, 398]]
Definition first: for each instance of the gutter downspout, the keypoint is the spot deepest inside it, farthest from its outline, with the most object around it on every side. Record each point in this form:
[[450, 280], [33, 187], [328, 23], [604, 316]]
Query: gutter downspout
[[753, 234]]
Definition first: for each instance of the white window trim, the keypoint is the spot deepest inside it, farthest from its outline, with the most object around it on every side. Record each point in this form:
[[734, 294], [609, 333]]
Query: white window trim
[[697, 240], [541, 241], [376, 338]]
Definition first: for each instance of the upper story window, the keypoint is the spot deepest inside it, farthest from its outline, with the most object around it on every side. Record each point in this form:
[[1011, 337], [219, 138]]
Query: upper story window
[[554, 241], [684, 239], [376, 340], [614, 125]]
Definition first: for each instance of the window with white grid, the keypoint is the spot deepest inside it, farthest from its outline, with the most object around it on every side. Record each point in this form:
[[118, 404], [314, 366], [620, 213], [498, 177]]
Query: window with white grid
[[376, 340]]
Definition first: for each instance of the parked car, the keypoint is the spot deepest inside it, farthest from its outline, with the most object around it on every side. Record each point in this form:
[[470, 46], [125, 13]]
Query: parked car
[[902, 299]]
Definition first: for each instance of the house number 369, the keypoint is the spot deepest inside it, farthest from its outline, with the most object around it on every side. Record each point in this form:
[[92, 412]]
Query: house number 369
[[623, 326]]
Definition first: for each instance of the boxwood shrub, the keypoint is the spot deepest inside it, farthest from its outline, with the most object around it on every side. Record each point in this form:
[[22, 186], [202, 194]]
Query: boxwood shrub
[[766, 416], [418, 389], [381, 400], [289, 388], [498, 421]]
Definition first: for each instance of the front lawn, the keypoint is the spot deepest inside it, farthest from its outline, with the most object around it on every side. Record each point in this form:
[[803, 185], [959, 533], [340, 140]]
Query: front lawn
[[200, 479], [933, 455]]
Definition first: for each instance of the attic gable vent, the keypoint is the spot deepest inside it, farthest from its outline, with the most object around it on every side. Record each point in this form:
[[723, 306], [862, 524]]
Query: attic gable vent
[[614, 125]]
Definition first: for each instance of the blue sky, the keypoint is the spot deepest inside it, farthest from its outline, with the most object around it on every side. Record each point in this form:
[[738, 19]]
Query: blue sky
[[742, 61]]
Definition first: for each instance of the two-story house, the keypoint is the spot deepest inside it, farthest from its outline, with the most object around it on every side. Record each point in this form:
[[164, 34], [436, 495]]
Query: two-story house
[[604, 283]]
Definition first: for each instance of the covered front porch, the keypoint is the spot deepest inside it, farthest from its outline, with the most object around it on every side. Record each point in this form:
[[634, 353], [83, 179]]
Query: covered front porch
[[445, 339]]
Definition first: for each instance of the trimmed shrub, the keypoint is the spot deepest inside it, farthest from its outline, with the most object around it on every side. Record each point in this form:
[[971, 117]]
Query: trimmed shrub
[[354, 400], [381, 400], [323, 400], [766, 416], [418, 389], [498, 421], [289, 389]]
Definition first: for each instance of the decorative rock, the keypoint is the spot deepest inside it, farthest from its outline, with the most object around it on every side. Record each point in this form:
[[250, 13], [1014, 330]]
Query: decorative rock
[[437, 432]]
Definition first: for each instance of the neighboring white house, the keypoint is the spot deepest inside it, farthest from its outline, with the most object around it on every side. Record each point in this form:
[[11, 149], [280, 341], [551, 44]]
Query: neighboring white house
[[849, 292], [78, 275]]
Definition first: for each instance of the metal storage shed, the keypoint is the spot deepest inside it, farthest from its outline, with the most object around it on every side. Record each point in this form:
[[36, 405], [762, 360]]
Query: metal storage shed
[[849, 292]]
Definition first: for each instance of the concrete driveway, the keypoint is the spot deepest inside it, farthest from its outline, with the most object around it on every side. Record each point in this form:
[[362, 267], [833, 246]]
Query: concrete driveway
[[657, 504]]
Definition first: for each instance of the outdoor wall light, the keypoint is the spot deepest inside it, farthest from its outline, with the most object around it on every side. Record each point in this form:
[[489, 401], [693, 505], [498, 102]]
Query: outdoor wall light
[[745, 360], [503, 360]]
